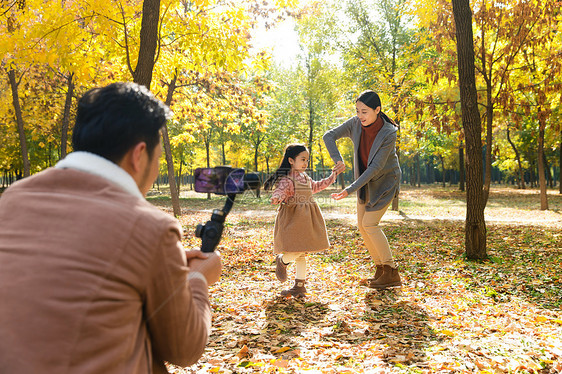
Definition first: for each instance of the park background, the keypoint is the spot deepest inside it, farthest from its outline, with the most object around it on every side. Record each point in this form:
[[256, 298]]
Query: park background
[[241, 90]]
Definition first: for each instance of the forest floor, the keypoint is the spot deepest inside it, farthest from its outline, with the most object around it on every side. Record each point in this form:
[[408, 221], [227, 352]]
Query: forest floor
[[502, 315]]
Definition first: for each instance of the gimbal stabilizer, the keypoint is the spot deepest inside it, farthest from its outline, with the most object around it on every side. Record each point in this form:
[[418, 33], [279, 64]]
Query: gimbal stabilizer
[[211, 232]]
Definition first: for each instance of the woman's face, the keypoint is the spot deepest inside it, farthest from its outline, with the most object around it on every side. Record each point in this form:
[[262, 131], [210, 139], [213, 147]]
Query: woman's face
[[300, 163], [366, 114]]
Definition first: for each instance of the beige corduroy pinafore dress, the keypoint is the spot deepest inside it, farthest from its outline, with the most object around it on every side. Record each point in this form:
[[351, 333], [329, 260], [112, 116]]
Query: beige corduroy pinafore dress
[[299, 226]]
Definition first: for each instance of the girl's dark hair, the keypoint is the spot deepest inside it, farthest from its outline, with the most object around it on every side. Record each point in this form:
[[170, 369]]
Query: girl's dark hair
[[372, 100], [291, 151]]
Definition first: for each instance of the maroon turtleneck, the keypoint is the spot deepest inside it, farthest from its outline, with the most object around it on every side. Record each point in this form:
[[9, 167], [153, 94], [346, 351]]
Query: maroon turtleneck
[[368, 135]]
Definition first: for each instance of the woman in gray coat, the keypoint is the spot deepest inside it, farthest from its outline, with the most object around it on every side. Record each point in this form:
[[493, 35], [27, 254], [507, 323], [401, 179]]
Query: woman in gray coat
[[377, 179]]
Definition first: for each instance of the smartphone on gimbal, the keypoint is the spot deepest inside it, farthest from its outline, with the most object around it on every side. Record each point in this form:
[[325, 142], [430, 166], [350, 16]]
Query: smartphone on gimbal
[[220, 180]]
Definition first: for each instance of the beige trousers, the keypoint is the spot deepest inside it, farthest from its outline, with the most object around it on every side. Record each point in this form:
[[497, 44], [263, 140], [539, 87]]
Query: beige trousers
[[299, 258], [374, 237]]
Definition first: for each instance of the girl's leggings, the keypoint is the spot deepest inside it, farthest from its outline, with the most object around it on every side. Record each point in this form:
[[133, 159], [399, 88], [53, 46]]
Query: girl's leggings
[[374, 237], [299, 258]]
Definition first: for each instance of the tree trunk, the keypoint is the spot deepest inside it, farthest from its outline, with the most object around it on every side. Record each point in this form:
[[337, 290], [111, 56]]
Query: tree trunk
[[461, 167], [442, 159], [148, 42], [174, 192], [66, 115], [540, 159], [475, 226], [521, 183], [547, 170], [532, 176], [418, 171], [19, 121], [208, 152], [267, 164]]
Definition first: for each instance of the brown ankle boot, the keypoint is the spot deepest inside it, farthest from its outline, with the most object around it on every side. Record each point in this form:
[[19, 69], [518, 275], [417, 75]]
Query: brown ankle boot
[[280, 268], [298, 290], [368, 281], [378, 272], [389, 278]]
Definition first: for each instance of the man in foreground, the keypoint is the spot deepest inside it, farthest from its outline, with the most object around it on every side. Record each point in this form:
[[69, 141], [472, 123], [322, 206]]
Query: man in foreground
[[93, 278]]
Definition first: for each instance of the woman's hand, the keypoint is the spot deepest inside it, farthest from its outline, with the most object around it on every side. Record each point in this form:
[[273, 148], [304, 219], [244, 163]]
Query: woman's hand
[[339, 167], [339, 195], [275, 200]]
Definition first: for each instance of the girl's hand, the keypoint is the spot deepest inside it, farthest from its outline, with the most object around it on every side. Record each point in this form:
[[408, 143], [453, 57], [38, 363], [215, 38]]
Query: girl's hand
[[339, 195], [275, 200]]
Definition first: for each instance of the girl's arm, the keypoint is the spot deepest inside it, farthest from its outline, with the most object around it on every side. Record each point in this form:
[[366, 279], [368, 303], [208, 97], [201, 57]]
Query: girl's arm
[[318, 186], [284, 189]]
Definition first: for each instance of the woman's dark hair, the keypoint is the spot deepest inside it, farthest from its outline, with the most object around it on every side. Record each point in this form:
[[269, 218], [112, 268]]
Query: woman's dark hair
[[113, 119], [373, 101], [291, 151]]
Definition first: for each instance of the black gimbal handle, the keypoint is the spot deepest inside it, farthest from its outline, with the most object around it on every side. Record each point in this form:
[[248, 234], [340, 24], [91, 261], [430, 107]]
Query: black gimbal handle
[[211, 232]]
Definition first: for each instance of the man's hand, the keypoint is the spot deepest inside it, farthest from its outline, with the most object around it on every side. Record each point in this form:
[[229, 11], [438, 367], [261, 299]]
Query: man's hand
[[208, 264], [339, 195]]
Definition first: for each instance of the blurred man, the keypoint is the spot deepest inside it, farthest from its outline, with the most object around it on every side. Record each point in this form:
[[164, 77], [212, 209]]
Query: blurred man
[[93, 278]]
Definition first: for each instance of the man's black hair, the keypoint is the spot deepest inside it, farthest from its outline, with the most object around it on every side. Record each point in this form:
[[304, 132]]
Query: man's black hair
[[113, 119]]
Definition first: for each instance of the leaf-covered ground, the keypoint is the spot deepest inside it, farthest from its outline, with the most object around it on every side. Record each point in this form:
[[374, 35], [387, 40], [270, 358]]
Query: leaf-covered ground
[[503, 315]]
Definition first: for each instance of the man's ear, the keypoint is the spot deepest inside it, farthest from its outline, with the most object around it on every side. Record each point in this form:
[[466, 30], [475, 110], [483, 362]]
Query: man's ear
[[132, 161], [137, 154]]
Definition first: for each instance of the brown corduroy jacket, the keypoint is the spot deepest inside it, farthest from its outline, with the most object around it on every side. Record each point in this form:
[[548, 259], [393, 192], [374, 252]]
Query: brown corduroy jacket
[[93, 280]]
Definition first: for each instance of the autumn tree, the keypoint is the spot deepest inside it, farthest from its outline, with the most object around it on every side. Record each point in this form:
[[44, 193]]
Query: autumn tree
[[475, 225], [504, 31]]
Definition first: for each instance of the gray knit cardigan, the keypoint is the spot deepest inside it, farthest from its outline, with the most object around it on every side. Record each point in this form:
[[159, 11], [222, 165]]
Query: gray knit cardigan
[[381, 178]]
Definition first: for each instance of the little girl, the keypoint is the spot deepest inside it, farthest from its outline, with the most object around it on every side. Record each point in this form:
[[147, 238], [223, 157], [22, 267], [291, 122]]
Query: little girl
[[299, 225]]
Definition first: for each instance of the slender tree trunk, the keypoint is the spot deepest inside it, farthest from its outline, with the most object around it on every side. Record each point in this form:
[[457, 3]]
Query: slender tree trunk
[[267, 164], [19, 121], [174, 192], [418, 171], [521, 183], [547, 170], [442, 159], [180, 182], [540, 159], [532, 176], [560, 164], [208, 153], [475, 228], [461, 167], [148, 42], [66, 115]]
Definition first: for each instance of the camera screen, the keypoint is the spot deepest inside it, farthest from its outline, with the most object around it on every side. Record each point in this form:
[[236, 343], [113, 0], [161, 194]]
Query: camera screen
[[220, 180]]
